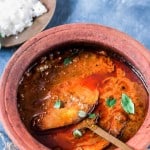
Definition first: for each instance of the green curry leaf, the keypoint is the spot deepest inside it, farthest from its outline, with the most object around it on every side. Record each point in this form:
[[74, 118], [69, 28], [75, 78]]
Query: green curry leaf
[[110, 102], [92, 116], [58, 104], [77, 133], [127, 104], [82, 114], [67, 61]]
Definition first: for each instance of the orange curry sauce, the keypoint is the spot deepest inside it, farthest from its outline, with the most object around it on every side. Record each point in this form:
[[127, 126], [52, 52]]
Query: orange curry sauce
[[92, 69]]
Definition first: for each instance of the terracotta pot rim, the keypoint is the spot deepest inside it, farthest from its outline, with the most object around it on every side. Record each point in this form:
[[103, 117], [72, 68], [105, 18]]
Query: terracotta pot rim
[[88, 33]]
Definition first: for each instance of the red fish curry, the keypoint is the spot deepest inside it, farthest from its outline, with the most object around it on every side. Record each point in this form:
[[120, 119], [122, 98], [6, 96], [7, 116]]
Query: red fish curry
[[63, 86]]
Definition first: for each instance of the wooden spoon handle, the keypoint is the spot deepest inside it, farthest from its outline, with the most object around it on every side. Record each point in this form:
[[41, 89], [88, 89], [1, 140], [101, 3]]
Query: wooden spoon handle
[[96, 129]]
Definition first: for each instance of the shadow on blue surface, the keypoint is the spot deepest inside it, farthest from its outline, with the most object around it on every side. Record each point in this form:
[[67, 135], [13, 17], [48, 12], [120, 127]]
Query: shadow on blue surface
[[64, 9]]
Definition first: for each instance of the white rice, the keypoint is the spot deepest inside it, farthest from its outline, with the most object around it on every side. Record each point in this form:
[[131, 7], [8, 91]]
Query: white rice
[[16, 15]]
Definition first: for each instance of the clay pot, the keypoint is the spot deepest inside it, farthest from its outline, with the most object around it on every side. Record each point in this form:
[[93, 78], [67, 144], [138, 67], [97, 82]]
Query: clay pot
[[54, 38]]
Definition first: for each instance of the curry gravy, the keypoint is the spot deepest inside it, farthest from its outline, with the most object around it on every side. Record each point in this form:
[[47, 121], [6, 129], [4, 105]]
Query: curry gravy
[[54, 75]]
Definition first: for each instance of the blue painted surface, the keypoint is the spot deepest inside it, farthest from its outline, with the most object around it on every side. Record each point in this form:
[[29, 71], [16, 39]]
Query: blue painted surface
[[129, 16]]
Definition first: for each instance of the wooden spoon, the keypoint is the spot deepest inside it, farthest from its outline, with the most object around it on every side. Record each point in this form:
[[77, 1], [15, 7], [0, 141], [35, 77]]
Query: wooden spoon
[[38, 25], [90, 124]]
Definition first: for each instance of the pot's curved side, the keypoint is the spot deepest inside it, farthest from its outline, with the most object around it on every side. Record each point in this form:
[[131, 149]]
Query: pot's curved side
[[48, 40]]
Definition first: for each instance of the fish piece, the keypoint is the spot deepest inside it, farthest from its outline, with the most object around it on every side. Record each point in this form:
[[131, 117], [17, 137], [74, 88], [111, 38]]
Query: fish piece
[[74, 98]]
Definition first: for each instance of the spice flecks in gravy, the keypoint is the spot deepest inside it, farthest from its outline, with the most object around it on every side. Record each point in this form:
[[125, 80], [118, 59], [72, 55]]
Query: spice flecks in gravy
[[67, 78]]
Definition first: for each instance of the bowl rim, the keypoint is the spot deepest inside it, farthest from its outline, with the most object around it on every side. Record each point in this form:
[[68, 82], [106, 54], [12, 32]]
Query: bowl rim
[[120, 42]]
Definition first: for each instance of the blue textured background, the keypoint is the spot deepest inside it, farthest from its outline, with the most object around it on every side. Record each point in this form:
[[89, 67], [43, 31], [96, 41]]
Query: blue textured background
[[129, 16]]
